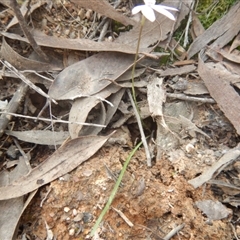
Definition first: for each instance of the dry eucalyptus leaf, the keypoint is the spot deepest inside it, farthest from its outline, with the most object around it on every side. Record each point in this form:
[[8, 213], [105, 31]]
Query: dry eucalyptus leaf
[[221, 30], [43, 137], [234, 56], [178, 70], [98, 115], [213, 210], [218, 81], [74, 44], [82, 106], [11, 209], [104, 8], [90, 75], [227, 158], [62, 161], [20, 62]]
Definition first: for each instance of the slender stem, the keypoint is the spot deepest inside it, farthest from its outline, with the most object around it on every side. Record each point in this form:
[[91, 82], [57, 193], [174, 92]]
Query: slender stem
[[136, 57]]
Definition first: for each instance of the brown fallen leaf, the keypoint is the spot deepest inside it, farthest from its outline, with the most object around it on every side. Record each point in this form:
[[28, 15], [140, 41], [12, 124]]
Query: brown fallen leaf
[[178, 70], [218, 81], [90, 75], [75, 44], [104, 8], [62, 161], [11, 209], [43, 137], [222, 31], [234, 56], [80, 111], [227, 158], [20, 62]]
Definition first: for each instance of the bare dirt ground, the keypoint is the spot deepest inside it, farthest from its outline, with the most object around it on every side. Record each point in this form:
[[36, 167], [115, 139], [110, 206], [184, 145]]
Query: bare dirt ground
[[156, 202]]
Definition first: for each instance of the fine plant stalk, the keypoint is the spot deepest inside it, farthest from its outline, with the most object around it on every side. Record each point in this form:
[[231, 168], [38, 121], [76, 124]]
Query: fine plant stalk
[[135, 59], [114, 191]]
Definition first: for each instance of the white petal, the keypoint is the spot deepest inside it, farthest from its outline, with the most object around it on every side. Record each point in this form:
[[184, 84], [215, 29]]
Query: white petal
[[168, 8], [149, 2], [161, 10], [148, 13], [137, 9]]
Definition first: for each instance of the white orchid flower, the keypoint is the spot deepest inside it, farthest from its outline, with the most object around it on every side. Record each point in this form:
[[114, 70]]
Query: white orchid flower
[[147, 10]]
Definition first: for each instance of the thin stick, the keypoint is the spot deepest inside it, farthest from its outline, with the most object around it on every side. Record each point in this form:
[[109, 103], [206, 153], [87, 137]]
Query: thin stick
[[26, 80], [123, 216], [135, 60], [49, 120], [148, 155], [174, 231], [190, 98], [14, 5]]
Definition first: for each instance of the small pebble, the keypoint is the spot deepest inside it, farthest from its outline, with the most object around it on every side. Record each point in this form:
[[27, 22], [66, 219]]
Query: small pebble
[[71, 232], [66, 209]]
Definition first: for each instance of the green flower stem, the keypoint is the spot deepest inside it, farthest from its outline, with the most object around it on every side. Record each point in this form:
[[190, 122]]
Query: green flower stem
[[136, 57], [114, 191]]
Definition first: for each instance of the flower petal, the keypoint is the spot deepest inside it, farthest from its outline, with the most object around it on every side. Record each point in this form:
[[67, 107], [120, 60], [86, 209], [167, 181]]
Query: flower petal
[[149, 2], [148, 13], [137, 9], [161, 10], [168, 8]]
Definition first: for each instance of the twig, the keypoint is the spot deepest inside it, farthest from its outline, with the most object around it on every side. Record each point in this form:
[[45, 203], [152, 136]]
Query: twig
[[24, 79], [15, 7], [174, 231], [45, 197], [104, 31], [12, 107], [148, 155], [49, 120], [188, 98], [123, 216], [186, 41]]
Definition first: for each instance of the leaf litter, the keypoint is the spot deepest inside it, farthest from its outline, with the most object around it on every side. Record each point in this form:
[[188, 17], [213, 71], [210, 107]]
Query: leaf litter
[[192, 139]]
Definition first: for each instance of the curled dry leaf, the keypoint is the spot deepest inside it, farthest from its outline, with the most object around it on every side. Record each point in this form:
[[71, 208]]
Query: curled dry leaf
[[20, 62], [90, 76], [81, 108], [62, 161]]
